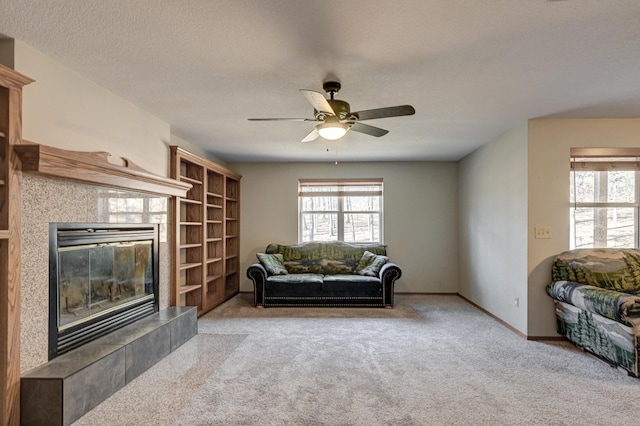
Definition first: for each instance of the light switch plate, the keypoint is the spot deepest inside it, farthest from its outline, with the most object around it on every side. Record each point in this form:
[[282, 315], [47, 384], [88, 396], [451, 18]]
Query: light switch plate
[[543, 232]]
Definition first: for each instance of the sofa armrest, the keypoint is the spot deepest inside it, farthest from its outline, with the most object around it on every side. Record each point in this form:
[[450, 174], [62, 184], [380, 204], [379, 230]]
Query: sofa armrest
[[258, 274], [615, 305], [388, 275]]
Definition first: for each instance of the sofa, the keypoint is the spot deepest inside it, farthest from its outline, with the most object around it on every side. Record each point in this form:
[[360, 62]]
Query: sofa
[[597, 303], [324, 274]]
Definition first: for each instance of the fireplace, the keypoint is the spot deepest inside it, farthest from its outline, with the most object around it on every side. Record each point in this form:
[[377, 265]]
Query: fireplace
[[101, 278]]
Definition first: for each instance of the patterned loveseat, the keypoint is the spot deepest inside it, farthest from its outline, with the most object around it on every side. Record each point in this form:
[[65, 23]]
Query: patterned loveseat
[[324, 274], [597, 302]]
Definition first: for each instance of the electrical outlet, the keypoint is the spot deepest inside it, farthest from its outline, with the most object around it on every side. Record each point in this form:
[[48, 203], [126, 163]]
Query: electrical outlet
[[516, 302], [543, 232]]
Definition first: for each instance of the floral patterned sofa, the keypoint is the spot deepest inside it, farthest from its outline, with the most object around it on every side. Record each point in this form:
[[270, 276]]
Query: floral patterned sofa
[[597, 303], [324, 274]]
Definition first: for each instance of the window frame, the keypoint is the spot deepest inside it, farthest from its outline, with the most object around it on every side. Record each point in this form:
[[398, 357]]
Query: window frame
[[345, 188], [604, 160]]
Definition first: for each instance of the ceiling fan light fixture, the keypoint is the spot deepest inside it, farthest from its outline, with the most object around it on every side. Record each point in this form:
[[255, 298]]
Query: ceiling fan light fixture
[[332, 130]]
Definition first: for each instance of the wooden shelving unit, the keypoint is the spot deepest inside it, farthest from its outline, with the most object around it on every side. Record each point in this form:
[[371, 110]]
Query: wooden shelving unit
[[207, 232], [232, 236], [11, 83]]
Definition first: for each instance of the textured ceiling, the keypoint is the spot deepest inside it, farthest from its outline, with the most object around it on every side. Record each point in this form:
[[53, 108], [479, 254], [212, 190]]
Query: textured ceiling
[[471, 68]]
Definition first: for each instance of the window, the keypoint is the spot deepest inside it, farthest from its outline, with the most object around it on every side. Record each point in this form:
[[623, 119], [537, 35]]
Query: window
[[345, 210], [129, 208], [604, 198]]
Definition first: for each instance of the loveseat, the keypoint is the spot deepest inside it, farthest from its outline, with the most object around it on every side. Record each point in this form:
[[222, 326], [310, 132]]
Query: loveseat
[[597, 303], [324, 274]]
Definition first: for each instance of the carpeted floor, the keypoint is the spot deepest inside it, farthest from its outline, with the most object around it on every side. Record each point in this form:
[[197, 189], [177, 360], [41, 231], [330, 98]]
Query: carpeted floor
[[433, 360]]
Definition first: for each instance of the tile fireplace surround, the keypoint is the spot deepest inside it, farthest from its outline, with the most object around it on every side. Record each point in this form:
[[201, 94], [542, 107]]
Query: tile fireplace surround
[[47, 200]]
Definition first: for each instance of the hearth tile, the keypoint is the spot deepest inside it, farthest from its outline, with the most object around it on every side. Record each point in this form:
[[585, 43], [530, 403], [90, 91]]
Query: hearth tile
[[147, 350], [40, 401], [183, 321], [172, 312], [90, 386], [130, 333], [69, 363], [183, 328]]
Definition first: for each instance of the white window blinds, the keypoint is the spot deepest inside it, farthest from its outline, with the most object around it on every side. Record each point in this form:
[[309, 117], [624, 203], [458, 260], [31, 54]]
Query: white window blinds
[[340, 210]]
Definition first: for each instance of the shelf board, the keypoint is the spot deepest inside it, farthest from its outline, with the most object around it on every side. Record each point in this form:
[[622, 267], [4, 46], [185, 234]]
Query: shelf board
[[2, 182], [231, 218], [230, 236], [215, 206], [213, 194], [191, 223], [4, 234], [211, 278], [214, 221], [233, 256], [190, 180], [214, 260], [2, 134], [229, 273], [232, 199], [213, 240], [187, 288], [184, 266], [190, 201], [186, 246]]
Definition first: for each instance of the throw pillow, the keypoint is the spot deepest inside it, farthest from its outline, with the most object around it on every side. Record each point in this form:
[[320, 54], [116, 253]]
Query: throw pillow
[[273, 263], [370, 264]]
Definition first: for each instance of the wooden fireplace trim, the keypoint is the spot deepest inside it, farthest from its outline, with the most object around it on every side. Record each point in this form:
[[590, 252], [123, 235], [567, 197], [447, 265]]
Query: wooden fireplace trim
[[93, 168]]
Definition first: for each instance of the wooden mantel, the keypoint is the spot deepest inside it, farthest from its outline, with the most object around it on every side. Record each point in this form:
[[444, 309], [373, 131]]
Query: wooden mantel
[[94, 168]]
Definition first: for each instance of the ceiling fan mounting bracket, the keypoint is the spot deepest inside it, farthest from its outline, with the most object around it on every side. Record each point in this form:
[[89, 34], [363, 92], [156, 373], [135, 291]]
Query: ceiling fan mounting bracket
[[331, 87]]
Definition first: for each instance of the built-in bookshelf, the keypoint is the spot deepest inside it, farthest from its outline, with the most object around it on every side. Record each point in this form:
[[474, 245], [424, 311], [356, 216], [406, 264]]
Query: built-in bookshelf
[[11, 83], [207, 232]]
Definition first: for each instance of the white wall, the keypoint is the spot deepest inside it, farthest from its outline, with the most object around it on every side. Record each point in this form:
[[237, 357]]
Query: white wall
[[493, 227], [550, 141], [420, 206], [65, 110]]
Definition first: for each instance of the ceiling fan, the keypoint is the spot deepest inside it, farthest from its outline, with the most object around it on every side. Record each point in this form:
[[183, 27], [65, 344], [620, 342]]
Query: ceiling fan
[[335, 117]]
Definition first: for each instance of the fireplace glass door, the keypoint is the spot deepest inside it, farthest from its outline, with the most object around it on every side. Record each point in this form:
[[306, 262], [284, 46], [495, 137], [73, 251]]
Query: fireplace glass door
[[100, 277]]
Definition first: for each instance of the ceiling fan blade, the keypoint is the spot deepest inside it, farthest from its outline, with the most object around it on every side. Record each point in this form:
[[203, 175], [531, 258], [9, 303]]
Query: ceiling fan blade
[[394, 111], [318, 101], [311, 136], [369, 130], [281, 119]]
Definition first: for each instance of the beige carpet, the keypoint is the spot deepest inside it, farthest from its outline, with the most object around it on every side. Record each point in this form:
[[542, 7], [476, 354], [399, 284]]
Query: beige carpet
[[434, 360]]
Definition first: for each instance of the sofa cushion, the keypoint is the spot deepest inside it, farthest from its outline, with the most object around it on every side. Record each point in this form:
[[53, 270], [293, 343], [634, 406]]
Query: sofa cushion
[[292, 287], [351, 286], [614, 269], [350, 278], [370, 264], [615, 305], [273, 263], [296, 278]]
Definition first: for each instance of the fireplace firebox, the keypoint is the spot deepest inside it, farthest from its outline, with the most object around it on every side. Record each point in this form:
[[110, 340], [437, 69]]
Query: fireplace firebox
[[101, 278]]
